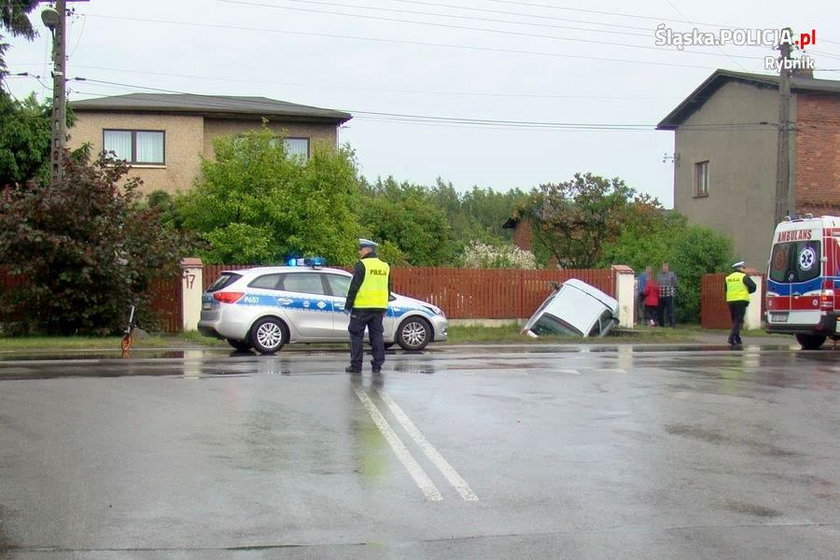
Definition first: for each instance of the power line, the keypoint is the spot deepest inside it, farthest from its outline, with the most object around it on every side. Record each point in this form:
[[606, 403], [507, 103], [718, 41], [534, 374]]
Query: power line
[[480, 29], [453, 16], [476, 122], [407, 42]]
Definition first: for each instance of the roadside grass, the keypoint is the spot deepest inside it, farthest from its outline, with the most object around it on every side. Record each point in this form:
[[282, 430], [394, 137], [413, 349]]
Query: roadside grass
[[511, 333], [505, 334]]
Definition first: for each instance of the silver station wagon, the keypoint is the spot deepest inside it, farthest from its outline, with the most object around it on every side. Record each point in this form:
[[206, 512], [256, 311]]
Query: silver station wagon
[[267, 307]]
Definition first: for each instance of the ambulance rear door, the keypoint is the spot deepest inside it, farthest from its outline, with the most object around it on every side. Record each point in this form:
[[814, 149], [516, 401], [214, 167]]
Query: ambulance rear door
[[795, 276]]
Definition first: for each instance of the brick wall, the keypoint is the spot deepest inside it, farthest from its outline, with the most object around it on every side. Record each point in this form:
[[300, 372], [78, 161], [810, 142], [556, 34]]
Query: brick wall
[[817, 153]]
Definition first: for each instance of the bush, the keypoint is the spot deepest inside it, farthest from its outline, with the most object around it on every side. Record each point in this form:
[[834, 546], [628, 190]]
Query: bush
[[87, 246], [480, 255]]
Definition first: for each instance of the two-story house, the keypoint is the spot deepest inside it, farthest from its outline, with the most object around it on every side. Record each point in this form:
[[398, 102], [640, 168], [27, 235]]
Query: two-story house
[[726, 138], [164, 136]]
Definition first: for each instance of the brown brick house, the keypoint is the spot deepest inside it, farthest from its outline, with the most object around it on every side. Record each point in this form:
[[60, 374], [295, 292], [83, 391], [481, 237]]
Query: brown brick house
[[725, 152], [164, 136]]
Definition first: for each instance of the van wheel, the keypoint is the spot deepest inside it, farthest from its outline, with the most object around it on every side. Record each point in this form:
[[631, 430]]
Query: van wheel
[[810, 341], [269, 335], [414, 333]]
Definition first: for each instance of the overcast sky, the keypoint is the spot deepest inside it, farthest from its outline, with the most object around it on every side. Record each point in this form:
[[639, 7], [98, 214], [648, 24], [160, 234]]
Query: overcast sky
[[497, 94]]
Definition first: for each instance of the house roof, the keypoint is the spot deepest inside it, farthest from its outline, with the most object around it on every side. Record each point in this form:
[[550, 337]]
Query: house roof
[[719, 78], [227, 106]]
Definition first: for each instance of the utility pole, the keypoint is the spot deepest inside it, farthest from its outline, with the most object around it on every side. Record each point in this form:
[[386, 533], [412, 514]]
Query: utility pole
[[783, 154], [56, 20]]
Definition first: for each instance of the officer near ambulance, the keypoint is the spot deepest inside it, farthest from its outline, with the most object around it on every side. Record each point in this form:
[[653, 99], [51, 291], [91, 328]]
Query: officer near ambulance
[[367, 301], [738, 288]]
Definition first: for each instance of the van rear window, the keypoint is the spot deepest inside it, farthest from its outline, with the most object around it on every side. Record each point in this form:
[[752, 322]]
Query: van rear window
[[797, 261]]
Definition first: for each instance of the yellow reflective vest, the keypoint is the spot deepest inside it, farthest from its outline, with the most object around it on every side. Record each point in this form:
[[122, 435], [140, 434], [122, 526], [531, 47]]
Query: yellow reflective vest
[[736, 290], [373, 293]]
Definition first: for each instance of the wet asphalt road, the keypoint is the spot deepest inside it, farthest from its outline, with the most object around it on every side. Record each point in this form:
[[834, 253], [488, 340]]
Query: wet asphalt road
[[550, 452]]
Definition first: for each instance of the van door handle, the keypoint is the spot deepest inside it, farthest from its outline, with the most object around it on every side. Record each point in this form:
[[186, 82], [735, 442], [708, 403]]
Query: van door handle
[[796, 294]]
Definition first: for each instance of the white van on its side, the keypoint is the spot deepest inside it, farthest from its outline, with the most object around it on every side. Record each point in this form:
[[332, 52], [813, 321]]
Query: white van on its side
[[574, 308]]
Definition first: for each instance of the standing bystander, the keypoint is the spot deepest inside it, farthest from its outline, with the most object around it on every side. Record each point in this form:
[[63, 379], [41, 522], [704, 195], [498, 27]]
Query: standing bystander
[[667, 281]]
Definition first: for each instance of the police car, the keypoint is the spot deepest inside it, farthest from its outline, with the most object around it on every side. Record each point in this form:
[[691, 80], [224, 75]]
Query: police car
[[265, 308]]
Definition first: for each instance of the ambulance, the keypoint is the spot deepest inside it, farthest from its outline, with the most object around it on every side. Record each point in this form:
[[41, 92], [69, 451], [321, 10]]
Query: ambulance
[[803, 277]]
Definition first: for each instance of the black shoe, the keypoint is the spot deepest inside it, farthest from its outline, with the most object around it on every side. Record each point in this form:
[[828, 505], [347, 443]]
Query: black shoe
[[377, 370], [351, 369]]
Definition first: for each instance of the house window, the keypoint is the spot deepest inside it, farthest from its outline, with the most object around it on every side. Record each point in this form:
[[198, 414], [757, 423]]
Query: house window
[[297, 147], [701, 178], [135, 146]]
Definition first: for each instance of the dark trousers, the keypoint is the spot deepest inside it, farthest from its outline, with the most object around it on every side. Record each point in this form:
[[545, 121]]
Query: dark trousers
[[650, 314], [372, 320], [737, 310], [666, 311]]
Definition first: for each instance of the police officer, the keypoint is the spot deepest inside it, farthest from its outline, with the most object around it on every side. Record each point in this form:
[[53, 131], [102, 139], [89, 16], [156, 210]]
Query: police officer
[[738, 288], [367, 300]]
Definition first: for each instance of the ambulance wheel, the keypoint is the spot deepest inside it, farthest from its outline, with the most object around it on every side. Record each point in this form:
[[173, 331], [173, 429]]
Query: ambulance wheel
[[269, 335], [810, 341], [414, 333]]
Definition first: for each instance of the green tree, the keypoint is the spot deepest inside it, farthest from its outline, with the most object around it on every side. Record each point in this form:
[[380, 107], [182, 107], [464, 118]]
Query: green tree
[[87, 247], [405, 216], [13, 19], [691, 251], [25, 133], [256, 204], [697, 251], [573, 220]]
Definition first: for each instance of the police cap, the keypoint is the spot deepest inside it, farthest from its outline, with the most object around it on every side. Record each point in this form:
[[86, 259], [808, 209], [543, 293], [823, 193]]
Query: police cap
[[367, 243], [739, 264]]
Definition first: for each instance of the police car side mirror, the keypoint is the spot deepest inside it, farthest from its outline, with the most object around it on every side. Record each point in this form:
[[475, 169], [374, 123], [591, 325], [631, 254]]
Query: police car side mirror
[[391, 297]]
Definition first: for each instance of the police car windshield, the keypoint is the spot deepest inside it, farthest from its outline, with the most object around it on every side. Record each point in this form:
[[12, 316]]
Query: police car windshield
[[796, 261]]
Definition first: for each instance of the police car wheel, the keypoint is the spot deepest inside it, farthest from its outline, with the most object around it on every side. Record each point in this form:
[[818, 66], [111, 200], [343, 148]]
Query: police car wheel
[[268, 335], [242, 345], [414, 333]]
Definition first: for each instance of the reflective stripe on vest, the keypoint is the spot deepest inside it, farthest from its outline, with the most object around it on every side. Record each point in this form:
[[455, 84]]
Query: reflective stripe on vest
[[735, 288], [373, 293]]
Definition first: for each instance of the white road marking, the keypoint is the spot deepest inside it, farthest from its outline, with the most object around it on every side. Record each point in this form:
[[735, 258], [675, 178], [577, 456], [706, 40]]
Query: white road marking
[[420, 477], [436, 458]]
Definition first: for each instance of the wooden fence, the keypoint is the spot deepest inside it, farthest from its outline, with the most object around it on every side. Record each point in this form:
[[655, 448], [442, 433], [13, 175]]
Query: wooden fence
[[714, 313], [476, 293], [461, 293]]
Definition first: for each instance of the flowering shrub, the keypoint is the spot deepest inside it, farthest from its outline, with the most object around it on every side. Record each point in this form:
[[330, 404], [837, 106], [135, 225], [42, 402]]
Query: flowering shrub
[[481, 255]]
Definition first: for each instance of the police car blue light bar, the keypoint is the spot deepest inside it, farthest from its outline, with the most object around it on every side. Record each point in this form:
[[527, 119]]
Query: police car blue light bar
[[314, 262]]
